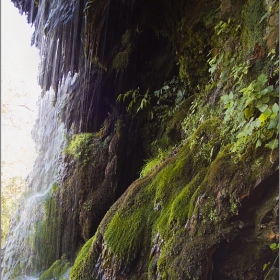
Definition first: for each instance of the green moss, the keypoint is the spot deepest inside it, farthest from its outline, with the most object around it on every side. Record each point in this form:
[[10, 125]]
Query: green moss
[[153, 162], [188, 194], [173, 187], [252, 29], [128, 228], [191, 42], [126, 39], [46, 231], [57, 270], [16, 272], [82, 263], [121, 60], [80, 145], [84, 147], [180, 210]]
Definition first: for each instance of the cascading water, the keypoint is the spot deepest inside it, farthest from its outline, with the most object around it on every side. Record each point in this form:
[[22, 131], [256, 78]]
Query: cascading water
[[65, 108], [20, 252], [78, 41]]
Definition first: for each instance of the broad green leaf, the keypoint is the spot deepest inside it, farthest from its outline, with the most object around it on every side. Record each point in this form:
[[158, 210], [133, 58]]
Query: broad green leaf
[[274, 246], [248, 89], [165, 87], [248, 113], [259, 143], [262, 117], [262, 79], [178, 100], [273, 144], [275, 108], [265, 99], [273, 123], [249, 100], [262, 107], [258, 122], [230, 96], [180, 94], [225, 98], [264, 91], [267, 112]]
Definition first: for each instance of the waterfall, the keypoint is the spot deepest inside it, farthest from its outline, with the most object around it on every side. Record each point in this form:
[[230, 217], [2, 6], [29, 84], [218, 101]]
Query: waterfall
[[69, 85], [20, 252], [79, 90]]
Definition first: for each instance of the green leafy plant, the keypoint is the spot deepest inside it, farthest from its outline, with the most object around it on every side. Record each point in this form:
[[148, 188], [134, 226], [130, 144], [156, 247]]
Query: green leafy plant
[[83, 147], [141, 100], [153, 162], [273, 247], [164, 100], [256, 111], [223, 27]]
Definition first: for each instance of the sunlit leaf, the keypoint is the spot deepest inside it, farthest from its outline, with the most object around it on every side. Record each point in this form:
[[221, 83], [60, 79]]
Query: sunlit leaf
[[225, 98], [258, 122], [273, 144], [266, 265], [275, 108], [267, 112], [273, 123], [258, 144], [262, 79], [248, 113], [274, 246], [262, 107]]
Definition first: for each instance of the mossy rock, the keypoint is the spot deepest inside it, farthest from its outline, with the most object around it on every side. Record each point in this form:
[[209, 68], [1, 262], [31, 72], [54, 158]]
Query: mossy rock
[[57, 270]]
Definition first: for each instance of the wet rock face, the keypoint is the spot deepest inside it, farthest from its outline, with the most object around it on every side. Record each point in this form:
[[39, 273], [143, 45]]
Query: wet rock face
[[110, 45], [228, 241], [200, 208]]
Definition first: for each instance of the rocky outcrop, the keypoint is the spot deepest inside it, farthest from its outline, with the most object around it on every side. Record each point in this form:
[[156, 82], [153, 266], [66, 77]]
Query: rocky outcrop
[[197, 83]]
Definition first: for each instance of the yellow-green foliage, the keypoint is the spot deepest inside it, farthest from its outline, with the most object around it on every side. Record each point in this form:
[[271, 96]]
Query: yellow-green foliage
[[80, 145], [181, 209], [153, 162], [131, 229], [84, 147], [81, 267], [57, 270]]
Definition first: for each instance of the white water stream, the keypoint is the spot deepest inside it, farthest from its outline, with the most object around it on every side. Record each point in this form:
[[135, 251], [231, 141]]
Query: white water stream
[[50, 137]]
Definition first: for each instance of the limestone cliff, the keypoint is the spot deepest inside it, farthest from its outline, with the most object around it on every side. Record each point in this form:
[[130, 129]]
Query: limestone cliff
[[158, 140]]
